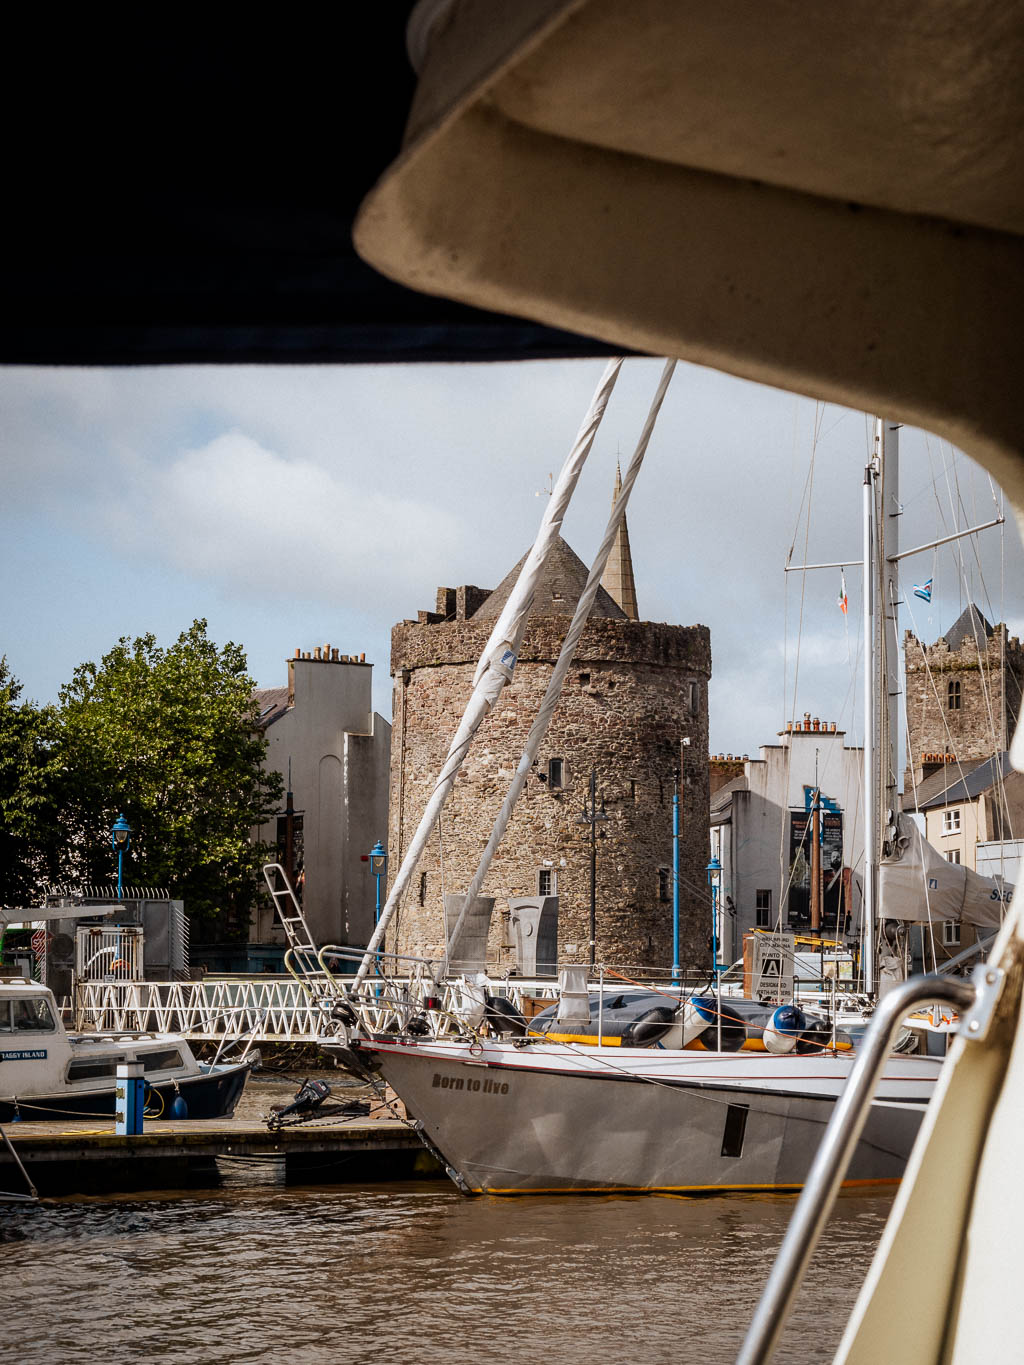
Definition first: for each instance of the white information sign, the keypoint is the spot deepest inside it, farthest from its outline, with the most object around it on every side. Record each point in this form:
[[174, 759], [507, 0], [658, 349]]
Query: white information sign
[[772, 968]]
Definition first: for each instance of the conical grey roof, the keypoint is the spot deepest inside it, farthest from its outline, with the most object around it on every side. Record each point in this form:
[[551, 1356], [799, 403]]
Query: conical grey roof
[[561, 584], [970, 622]]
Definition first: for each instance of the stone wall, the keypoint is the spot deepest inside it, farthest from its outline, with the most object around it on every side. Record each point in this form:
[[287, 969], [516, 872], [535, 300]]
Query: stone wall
[[990, 698], [624, 711]]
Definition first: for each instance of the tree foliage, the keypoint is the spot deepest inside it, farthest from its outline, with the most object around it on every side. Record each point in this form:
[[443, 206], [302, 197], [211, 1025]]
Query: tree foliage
[[168, 738], [29, 843]]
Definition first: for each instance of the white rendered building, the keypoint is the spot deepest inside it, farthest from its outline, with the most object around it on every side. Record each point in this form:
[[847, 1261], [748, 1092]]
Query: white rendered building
[[760, 834], [322, 730]]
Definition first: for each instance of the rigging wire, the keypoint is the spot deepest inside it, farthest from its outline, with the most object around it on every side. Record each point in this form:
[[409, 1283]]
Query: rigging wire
[[807, 500]]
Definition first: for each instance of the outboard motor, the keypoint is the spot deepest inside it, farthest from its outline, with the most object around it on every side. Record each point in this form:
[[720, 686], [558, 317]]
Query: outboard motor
[[309, 1097], [650, 1028], [784, 1029]]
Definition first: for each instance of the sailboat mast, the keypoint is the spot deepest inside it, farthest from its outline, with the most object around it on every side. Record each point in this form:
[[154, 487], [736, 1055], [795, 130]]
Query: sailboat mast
[[889, 660], [867, 954], [881, 670]]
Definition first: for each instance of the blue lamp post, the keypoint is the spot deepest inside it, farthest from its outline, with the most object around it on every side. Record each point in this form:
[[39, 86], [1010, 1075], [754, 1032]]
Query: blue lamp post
[[379, 868], [714, 873], [119, 842]]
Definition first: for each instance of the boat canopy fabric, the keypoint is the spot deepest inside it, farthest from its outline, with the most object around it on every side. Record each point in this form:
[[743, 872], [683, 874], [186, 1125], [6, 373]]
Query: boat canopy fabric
[[921, 886]]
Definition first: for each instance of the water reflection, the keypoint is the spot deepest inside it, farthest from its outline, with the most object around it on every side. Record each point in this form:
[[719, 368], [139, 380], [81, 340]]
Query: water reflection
[[414, 1274]]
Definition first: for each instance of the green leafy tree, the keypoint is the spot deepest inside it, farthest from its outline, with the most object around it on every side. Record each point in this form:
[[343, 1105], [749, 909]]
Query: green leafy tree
[[168, 738], [29, 830]]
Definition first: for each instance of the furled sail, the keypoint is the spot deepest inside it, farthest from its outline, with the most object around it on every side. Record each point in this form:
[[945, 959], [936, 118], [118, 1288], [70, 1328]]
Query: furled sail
[[919, 885]]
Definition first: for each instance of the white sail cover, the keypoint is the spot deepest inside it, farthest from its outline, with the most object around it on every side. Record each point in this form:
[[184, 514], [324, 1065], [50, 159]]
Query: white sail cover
[[921, 886]]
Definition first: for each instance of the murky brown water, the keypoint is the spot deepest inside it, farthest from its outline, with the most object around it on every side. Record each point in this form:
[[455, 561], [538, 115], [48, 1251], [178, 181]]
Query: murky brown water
[[411, 1275]]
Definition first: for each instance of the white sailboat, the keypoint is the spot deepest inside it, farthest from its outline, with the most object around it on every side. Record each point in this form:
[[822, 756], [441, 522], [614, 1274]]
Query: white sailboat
[[688, 1120]]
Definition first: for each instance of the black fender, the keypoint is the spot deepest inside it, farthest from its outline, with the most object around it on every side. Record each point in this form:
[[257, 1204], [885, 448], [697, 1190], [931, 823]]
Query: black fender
[[649, 1028], [502, 1016]]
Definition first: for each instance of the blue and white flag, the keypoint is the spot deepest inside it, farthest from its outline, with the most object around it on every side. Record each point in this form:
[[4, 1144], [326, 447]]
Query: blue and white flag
[[924, 591]]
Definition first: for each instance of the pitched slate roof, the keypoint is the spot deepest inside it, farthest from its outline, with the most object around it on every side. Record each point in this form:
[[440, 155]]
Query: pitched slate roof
[[970, 622], [562, 582], [722, 798], [271, 704], [952, 785]]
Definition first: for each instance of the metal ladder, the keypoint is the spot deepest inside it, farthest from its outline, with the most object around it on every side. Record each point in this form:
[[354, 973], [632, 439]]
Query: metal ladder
[[301, 959]]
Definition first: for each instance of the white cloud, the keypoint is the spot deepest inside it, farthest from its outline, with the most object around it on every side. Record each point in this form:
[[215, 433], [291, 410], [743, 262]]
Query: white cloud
[[293, 505], [241, 515]]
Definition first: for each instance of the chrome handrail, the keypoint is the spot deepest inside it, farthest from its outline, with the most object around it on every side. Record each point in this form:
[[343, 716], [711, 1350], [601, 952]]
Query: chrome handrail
[[841, 1137]]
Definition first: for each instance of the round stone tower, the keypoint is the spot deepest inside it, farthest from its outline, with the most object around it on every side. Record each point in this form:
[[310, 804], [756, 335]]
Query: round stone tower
[[633, 713]]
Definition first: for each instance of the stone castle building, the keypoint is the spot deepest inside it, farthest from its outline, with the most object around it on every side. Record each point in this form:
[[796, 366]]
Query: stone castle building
[[635, 693], [963, 695]]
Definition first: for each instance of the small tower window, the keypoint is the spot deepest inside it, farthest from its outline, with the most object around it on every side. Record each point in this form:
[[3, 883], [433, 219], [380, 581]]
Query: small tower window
[[954, 694], [554, 772], [423, 888], [546, 881], [584, 679], [663, 883], [763, 908], [693, 698]]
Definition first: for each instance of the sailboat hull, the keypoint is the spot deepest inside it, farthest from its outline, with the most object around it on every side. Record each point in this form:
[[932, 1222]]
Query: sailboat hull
[[512, 1121]]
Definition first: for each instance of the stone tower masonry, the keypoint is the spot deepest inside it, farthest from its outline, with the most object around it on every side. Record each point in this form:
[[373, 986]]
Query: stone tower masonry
[[963, 694], [635, 691]]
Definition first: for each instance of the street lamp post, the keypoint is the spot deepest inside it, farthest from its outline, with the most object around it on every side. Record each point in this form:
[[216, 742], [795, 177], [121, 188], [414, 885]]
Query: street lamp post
[[120, 841], [379, 868], [714, 873], [591, 816]]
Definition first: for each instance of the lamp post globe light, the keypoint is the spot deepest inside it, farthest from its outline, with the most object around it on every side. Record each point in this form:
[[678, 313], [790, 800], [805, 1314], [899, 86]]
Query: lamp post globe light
[[379, 868], [120, 841], [714, 871]]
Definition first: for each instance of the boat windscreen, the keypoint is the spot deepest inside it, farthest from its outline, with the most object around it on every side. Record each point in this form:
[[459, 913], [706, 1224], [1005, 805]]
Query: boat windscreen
[[28, 1015]]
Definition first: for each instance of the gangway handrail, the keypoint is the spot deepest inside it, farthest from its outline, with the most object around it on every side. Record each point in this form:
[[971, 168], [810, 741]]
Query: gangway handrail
[[975, 1001]]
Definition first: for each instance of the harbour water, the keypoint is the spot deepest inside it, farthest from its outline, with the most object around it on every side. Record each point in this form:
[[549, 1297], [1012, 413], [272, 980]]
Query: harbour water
[[259, 1272]]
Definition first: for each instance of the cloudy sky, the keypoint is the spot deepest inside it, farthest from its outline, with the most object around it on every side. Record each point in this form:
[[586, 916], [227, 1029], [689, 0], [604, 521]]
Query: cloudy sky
[[294, 506]]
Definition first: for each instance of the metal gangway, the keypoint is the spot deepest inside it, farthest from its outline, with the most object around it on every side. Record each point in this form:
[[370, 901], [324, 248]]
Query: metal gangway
[[317, 1002]]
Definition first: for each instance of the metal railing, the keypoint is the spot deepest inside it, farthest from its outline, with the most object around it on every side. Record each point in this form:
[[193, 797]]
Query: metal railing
[[975, 1001], [270, 1011]]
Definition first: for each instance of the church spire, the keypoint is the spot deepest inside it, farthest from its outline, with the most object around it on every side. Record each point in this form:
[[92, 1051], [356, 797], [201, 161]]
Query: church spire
[[618, 575]]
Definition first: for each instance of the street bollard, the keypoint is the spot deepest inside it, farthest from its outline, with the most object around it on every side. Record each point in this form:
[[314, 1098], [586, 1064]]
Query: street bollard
[[130, 1098]]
